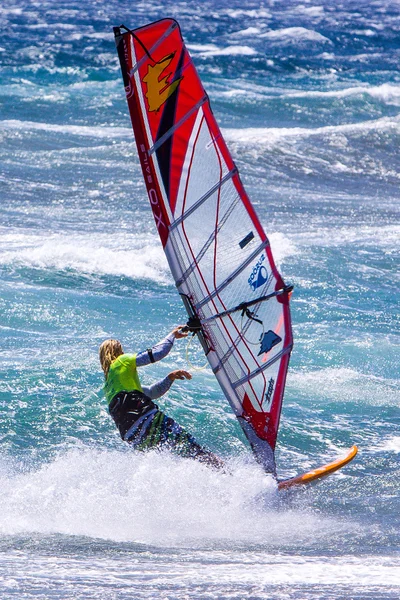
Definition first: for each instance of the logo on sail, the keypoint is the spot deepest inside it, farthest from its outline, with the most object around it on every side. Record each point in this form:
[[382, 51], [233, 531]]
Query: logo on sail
[[268, 341], [259, 274], [270, 389], [159, 88]]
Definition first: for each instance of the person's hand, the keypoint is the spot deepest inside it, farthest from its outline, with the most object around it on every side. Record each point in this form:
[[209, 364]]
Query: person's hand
[[179, 374], [178, 333]]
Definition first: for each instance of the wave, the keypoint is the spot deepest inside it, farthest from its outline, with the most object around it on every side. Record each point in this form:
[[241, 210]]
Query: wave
[[379, 236], [81, 130], [67, 26], [213, 50], [96, 254], [260, 13], [271, 135], [116, 495], [99, 35], [288, 35], [87, 254], [26, 91], [390, 444], [249, 32], [389, 93], [281, 36], [282, 246], [314, 12], [341, 384]]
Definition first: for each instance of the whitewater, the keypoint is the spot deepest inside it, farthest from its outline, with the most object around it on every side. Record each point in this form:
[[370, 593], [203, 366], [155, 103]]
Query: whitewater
[[307, 96]]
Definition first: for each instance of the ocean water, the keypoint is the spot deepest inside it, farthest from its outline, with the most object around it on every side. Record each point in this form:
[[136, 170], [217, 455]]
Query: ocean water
[[308, 97]]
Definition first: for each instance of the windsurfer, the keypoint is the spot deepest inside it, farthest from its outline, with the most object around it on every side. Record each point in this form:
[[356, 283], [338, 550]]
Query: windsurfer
[[138, 418]]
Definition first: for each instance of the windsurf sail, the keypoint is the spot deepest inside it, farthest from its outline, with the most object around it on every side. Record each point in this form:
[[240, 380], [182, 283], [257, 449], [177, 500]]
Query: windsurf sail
[[216, 248]]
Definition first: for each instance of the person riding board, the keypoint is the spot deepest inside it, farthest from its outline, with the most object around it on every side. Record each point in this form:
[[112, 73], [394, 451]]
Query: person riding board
[[130, 404]]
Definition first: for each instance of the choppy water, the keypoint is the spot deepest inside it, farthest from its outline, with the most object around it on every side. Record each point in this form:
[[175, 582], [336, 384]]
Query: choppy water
[[308, 95]]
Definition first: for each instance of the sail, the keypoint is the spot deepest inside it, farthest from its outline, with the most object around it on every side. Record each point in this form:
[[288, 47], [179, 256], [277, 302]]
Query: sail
[[216, 248]]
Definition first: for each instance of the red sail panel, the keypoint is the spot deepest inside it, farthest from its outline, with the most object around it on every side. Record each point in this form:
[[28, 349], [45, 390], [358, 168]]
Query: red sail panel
[[217, 250]]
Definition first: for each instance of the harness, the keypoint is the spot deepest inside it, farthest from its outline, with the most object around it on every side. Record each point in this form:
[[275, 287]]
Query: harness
[[129, 410]]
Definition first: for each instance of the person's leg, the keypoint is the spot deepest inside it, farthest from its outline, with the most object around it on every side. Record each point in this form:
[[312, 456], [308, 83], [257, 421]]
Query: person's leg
[[183, 443], [164, 432]]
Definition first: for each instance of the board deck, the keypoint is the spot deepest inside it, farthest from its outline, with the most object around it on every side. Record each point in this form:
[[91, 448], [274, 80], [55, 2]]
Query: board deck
[[319, 473]]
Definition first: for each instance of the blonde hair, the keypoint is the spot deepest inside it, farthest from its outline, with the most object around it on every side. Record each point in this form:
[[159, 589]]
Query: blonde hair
[[109, 351]]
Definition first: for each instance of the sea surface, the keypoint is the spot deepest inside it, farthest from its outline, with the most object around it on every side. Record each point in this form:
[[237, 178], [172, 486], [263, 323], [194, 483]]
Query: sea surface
[[308, 97]]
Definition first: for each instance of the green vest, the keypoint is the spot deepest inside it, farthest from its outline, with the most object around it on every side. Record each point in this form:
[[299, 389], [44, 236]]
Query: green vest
[[122, 376]]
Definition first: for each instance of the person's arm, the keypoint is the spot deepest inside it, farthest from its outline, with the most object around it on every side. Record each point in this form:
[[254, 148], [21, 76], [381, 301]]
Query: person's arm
[[161, 387], [160, 350], [157, 389]]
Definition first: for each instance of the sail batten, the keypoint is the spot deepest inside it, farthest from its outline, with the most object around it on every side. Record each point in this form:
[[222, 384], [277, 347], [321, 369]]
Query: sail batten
[[135, 67], [170, 131], [266, 365], [214, 242], [232, 276], [205, 197]]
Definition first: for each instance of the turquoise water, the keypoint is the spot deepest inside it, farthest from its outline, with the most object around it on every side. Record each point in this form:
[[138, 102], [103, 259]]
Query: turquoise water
[[308, 97]]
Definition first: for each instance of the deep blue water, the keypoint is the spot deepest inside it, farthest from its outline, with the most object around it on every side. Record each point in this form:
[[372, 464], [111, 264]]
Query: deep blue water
[[308, 96]]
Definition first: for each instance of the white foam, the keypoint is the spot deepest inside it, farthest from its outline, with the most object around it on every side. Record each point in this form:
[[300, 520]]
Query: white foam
[[152, 498], [129, 256], [111, 84], [297, 34], [134, 256], [213, 50], [234, 93], [89, 34], [229, 573], [313, 12], [11, 11], [261, 13], [389, 93], [366, 32], [390, 444], [28, 91], [57, 97], [81, 130], [201, 47], [272, 135], [282, 246], [250, 31], [341, 384], [382, 236], [54, 26]]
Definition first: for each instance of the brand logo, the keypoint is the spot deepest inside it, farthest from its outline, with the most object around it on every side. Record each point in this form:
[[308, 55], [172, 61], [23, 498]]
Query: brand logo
[[259, 274], [159, 88], [129, 91], [268, 341], [150, 190], [270, 389]]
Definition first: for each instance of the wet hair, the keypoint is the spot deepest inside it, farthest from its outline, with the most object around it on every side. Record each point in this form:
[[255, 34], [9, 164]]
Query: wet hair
[[109, 351]]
